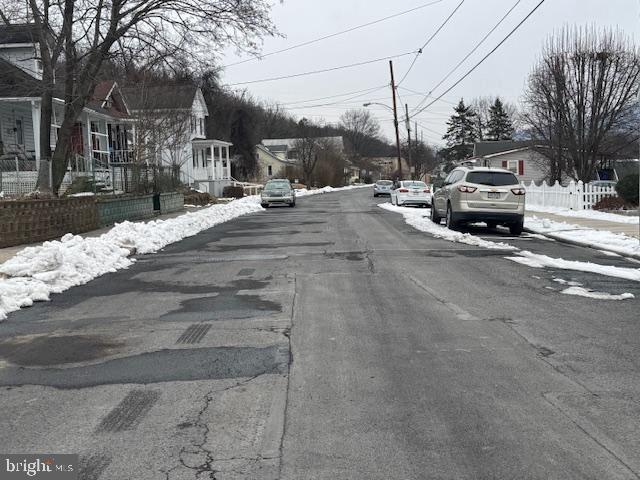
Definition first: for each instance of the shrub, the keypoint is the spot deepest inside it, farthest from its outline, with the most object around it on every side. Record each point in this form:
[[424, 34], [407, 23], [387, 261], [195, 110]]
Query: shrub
[[80, 185], [232, 192], [627, 188], [609, 203], [197, 198]]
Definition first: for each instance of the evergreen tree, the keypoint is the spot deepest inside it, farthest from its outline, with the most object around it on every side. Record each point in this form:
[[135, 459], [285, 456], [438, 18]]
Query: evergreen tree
[[499, 126], [461, 133]]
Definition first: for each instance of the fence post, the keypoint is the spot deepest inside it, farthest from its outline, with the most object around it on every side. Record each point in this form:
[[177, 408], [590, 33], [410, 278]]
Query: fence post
[[580, 200]]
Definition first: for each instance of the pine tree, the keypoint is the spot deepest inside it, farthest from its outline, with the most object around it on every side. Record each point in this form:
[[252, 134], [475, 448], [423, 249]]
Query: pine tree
[[499, 126], [461, 133]]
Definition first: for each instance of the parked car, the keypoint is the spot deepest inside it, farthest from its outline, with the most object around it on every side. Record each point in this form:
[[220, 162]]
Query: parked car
[[382, 187], [278, 191], [411, 192], [603, 183], [489, 195]]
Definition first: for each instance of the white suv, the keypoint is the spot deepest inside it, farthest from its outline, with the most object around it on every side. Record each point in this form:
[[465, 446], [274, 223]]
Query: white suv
[[489, 195]]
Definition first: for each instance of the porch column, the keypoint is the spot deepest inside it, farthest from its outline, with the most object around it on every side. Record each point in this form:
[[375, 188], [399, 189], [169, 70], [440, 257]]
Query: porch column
[[213, 161], [220, 176], [226, 151], [35, 119]]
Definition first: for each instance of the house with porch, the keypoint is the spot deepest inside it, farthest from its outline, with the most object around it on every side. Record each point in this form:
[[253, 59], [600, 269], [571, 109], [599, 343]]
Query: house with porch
[[112, 131]]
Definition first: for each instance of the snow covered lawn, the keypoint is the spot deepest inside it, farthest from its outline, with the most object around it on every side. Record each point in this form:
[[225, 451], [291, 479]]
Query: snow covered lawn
[[616, 242]]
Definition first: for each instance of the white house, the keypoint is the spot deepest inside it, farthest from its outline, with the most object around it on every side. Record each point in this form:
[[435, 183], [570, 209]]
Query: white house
[[519, 157], [105, 133]]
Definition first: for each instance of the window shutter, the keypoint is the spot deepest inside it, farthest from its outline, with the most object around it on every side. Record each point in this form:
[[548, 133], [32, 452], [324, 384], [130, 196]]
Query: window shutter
[[505, 164], [520, 167]]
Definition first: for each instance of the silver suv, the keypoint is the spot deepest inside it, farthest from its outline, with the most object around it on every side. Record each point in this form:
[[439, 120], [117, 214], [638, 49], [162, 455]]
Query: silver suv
[[489, 195]]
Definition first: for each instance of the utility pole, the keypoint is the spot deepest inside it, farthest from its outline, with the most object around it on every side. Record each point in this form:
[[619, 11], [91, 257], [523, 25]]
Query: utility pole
[[395, 119], [408, 124]]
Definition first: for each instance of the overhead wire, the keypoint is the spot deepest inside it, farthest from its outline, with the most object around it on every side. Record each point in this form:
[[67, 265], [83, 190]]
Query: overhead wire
[[325, 37], [472, 69], [313, 72], [478, 45], [419, 52]]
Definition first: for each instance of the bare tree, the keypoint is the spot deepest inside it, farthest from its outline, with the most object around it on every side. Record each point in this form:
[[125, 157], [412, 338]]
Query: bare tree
[[306, 146], [361, 131], [581, 95], [331, 163], [86, 33]]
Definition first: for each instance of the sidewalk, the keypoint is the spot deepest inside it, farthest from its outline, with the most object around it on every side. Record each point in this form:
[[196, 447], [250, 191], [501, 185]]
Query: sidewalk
[[615, 237], [8, 252], [629, 229]]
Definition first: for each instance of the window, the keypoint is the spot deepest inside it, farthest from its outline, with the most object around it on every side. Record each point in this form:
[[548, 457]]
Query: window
[[292, 154], [201, 125], [515, 166], [269, 170], [194, 160], [493, 179], [193, 124], [19, 132]]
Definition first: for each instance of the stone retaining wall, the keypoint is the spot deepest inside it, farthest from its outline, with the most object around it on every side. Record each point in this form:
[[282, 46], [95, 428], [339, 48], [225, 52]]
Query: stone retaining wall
[[30, 221], [116, 210], [171, 202]]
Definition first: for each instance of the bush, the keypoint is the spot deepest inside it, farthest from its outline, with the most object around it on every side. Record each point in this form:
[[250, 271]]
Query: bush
[[609, 203], [232, 192], [627, 188], [197, 198], [80, 185]]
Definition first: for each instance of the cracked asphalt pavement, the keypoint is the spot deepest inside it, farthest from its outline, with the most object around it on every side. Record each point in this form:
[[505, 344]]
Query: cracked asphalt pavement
[[330, 341]]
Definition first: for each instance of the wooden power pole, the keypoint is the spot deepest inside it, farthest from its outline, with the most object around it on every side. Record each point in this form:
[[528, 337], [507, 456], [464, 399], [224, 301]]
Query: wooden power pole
[[395, 120]]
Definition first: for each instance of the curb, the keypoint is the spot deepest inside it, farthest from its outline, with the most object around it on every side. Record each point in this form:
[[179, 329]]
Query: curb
[[578, 243]]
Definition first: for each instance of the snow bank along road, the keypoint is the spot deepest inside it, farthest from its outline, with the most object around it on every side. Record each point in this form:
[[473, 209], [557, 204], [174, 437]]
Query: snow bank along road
[[333, 340]]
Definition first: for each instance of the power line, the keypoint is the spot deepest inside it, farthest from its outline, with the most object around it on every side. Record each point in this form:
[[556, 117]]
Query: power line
[[481, 60], [427, 95], [419, 52], [367, 90], [357, 27], [313, 72]]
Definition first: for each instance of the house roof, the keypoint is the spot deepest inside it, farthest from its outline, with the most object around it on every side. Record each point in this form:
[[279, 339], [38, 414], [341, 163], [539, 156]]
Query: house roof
[[19, 33], [15, 82], [482, 149], [108, 90], [165, 97], [269, 152]]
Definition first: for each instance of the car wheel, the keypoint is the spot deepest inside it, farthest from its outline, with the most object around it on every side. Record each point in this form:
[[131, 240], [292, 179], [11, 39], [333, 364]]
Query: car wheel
[[264, 205], [292, 204], [516, 228], [435, 218], [375, 195], [451, 218]]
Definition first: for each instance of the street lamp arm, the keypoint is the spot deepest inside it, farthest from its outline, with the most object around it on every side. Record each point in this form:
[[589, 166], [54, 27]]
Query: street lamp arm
[[376, 103]]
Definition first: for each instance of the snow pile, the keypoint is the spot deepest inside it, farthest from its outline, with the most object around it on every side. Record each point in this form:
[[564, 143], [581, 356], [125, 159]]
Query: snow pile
[[601, 239], [417, 219], [303, 192], [583, 292], [540, 261], [588, 214], [35, 273], [571, 283]]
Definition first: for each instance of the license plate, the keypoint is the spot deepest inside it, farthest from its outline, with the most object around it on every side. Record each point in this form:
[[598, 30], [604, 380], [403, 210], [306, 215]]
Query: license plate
[[415, 193], [493, 195]]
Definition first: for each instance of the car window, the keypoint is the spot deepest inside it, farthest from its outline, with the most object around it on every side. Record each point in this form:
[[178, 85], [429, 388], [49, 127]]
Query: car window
[[277, 185], [493, 179], [455, 176], [384, 182], [415, 184]]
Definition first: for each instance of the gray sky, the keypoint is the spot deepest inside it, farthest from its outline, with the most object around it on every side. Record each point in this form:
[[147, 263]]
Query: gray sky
[[504, 73]]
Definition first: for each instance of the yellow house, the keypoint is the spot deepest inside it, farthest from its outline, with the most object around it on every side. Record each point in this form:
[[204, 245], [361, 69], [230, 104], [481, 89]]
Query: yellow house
[[270, 165]]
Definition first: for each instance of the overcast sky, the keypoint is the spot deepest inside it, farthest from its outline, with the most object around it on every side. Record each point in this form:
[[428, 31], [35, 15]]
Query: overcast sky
[[504, 73]]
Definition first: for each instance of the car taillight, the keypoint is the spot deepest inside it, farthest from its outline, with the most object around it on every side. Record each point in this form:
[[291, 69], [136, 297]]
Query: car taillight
[[426, 190], [403, 190], [518, 191], [467, 189]]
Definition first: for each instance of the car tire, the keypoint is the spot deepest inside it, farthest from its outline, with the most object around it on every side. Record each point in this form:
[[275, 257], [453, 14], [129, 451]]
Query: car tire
[[435, 218], [375, 195], [292, 204], [264, 205], [452, 223], [516, 228]]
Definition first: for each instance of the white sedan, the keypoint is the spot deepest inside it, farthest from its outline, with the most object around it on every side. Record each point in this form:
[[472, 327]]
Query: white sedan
[[411, 192]]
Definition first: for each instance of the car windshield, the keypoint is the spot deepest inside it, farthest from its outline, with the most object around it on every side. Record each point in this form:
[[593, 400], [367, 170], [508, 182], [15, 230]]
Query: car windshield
[[414, 184], [384, 183], [494, 179], [277, 186]]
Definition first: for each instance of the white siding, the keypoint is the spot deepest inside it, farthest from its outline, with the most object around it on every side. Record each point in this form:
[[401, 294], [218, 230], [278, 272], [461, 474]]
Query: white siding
[[24, 58], [9, 113], [532, 171]]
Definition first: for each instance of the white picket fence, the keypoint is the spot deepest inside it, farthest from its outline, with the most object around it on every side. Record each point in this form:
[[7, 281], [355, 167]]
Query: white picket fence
[[574, 196]]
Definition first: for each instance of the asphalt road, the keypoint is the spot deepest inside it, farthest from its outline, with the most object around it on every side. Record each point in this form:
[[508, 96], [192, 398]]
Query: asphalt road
[[330, 341]]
